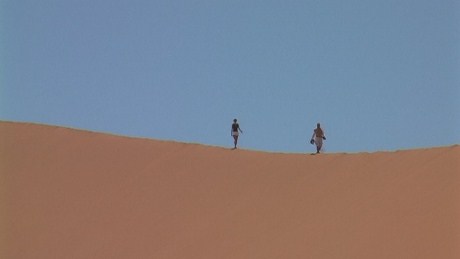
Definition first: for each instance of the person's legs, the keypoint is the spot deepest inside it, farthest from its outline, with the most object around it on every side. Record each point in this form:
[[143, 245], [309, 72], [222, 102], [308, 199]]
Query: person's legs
[[319, 144], [235, 140]]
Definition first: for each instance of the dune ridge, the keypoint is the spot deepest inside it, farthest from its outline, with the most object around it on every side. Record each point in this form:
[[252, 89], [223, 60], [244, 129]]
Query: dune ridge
[[68, 193]]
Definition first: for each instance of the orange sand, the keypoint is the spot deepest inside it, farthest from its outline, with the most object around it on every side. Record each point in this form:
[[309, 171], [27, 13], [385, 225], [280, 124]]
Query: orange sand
[[67, 193]]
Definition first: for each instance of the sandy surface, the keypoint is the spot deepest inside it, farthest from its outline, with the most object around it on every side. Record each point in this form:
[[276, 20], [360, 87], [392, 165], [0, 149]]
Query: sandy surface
[[68, 193]]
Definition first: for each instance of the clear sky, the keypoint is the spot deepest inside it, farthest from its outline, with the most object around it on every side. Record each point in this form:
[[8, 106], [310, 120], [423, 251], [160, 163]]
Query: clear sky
[[378, 75]]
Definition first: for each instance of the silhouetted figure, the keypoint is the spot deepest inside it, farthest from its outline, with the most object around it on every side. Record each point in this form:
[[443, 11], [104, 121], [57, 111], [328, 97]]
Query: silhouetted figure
[[317, 138], [235, 132]]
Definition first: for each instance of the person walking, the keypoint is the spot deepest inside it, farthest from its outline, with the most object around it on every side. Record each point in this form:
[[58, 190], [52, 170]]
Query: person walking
[[235, 132], [317, 138]]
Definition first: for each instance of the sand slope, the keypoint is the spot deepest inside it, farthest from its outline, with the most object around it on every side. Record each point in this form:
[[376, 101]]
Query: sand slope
[[68, 193]]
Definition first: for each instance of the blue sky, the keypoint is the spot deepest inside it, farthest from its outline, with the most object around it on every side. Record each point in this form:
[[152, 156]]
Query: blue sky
[[378, 75]]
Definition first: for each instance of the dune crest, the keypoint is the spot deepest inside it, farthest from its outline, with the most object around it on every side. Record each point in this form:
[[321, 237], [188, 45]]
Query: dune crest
[[67, 193]]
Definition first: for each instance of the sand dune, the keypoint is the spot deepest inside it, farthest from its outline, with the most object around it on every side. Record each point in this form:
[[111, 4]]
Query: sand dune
[[68, 193]]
